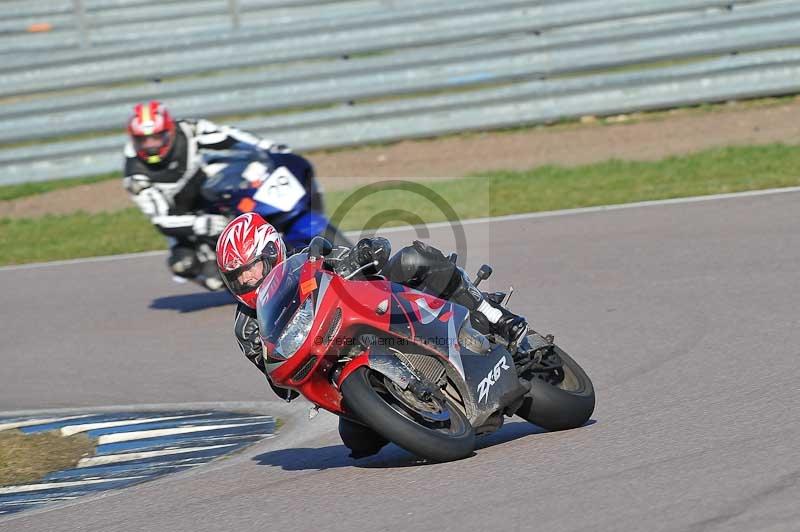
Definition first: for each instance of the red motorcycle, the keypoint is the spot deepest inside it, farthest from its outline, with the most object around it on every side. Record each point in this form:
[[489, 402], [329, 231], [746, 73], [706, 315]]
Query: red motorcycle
[[406, 364]]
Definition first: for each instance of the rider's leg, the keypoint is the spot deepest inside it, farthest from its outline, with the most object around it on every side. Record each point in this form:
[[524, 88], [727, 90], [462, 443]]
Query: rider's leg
[[208, 273], [426, 268], [361, 440], [182, 261], [193, 261]]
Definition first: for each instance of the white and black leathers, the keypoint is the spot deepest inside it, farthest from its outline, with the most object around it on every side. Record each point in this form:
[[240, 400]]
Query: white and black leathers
[[168, 192]]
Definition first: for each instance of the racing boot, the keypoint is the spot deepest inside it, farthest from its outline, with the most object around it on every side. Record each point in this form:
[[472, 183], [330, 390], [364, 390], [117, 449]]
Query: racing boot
[[208, 274], [426, 268], [502, 322], [209, 277], [488, 317]]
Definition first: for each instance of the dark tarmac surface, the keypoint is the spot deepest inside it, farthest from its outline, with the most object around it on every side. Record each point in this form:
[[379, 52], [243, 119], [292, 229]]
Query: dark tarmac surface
[[687, 318]]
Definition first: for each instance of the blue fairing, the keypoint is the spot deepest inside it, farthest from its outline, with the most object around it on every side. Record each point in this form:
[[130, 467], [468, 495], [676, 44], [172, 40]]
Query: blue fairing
[[304, 228], [225, 191]]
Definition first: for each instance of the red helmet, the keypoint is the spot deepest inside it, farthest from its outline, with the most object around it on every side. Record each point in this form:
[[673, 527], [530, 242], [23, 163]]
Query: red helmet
[[247, 250], [152, 130]]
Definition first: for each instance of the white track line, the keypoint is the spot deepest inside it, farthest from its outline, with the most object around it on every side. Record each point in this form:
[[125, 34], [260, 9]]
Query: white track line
[[75, 429], [599, 208], [27, 502], [84, 260], [58, 485], [471, 221], [143, 434], [127, 457], [32, 422]]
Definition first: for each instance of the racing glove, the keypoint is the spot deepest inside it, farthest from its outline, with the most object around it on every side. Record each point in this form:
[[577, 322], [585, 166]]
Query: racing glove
[[368, 250], [209, 224]]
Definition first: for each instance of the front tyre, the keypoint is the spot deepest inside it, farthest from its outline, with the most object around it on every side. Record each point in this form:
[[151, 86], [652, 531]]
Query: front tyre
[[433, 429], [561, 404]]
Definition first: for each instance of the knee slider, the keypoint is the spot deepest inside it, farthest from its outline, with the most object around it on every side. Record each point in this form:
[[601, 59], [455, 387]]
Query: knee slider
[[183, 262]]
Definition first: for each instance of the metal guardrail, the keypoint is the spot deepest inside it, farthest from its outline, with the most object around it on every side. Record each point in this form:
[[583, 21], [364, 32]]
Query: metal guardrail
[[312, 40], [18, 15], [309, 41], [41, 8], [163, 32], [731, 85], [516, 92], [510, 67], [126, 14], [110, 29], [784, 31], [292, 74]]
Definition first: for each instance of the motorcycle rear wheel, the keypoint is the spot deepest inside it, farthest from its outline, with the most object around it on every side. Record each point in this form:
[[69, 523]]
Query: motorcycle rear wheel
[[432, 430], [566, 405]]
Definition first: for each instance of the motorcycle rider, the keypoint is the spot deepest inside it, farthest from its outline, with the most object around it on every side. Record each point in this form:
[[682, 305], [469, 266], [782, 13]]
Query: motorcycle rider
[[249, 248], [164, 177]]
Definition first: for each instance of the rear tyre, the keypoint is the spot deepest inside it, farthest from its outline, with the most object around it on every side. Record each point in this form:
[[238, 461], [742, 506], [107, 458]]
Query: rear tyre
[[434, 430], [566, 405]]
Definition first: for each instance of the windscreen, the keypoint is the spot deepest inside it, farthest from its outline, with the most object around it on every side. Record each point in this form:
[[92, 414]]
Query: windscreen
[[227, 169], [279, 297]]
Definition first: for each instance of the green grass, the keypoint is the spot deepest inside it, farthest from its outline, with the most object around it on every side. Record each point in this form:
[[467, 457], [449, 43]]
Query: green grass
[[29, 457], [76, 235], [487, 194], [11, 192], [552, 187]]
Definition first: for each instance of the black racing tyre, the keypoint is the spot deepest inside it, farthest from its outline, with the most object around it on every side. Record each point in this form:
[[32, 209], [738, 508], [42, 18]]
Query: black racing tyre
[[441, 434], [567, 405]]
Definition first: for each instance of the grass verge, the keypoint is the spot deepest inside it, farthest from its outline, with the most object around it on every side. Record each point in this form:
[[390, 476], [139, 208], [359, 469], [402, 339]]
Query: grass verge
[[27, 458], [76, 235], [714, 171], [10, 192], [546, 188]]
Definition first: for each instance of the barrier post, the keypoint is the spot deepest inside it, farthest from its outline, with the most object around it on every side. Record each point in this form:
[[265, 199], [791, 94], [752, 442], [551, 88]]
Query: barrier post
[[80, 23], [233, 7]]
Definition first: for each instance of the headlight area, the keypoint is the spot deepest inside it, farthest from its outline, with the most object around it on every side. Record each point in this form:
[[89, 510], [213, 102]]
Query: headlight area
[[296, 330]]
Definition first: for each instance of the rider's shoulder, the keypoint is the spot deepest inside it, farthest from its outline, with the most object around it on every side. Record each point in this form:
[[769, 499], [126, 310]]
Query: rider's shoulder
[[191, 127], [242, 309], [202, 125]]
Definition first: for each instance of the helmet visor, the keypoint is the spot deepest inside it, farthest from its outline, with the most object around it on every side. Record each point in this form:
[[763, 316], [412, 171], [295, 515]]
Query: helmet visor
[[246, 278], [152, 144]]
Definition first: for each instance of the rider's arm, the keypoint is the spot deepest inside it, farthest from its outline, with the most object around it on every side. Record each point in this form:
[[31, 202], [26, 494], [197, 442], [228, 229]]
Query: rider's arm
[[157, 205], [245, 328], [345, 261], [211, 136]]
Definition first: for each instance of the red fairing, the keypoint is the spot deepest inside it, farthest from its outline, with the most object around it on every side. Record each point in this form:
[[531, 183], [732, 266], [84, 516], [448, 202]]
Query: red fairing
[[327, 340]]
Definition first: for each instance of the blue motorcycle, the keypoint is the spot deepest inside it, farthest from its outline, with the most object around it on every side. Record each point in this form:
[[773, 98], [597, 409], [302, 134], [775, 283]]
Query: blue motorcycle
[[279, 186]]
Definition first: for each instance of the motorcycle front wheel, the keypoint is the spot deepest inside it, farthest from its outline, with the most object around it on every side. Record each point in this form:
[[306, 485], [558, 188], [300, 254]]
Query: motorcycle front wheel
[[558, 400], [432, 429]]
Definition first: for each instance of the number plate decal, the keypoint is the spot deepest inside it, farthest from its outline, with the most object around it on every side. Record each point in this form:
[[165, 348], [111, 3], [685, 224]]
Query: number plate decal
[[281, 190]]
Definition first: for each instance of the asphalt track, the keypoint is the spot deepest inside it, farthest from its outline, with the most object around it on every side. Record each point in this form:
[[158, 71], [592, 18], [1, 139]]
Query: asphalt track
[[686, 316]]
